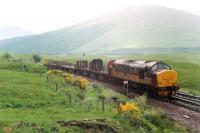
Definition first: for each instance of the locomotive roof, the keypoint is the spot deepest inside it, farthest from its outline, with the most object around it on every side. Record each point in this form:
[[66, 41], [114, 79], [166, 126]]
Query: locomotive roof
[[135, 63]]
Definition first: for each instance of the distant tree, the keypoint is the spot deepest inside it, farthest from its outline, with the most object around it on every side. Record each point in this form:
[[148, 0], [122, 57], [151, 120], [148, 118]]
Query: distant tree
[[84, 54], [7, 56], [36, 58]]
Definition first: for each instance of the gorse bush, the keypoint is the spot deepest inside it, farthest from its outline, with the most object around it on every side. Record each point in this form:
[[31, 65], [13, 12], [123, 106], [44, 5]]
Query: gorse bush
[[55, 75], [69, 77], [82, 82], [132, 111], [128, 107], [146, 119]]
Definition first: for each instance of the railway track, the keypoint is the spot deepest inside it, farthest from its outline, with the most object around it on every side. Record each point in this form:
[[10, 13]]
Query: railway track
[[189, 97], [187, 100], [181, 99]]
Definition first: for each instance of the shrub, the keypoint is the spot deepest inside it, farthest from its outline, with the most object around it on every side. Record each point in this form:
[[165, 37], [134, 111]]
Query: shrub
[[36, 58], [81, 82], [9, 105], [129, 107], [35, 68], [69, 77], [7, 56], [18, 105]]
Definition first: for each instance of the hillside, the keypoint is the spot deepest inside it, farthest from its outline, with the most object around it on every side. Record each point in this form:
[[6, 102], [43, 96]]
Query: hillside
[[145, 26]]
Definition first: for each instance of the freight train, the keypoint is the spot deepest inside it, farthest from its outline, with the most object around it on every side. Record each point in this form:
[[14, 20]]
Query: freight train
[[150, 76]]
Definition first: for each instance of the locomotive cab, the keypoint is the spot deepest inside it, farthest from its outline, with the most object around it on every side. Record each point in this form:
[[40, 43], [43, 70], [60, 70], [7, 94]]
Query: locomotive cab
[[166, 79]]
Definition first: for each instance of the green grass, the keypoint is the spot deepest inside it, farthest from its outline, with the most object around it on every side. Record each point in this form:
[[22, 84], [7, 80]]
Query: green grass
[[28, 97], [189, 76]]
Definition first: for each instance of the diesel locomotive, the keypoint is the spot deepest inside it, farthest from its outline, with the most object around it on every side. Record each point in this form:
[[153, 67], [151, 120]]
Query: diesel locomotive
[[156, 77]]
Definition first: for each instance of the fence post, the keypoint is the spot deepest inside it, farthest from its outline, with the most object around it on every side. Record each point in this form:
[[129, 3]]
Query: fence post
[[97, 104], [90, 105], [70, 98], [56, 86], [103, 107], [110, 105], [81, 103], [47, 79], [40, 74], [75, 100]]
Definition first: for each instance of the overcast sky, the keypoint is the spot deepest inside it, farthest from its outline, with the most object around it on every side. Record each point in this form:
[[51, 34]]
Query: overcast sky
[[44, 15]]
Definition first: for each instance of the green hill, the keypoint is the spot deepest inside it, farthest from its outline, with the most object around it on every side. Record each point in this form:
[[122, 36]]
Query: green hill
[[145, 26]]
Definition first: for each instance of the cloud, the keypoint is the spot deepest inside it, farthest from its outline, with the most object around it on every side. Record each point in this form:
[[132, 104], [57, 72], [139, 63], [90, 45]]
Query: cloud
[[45, 15]]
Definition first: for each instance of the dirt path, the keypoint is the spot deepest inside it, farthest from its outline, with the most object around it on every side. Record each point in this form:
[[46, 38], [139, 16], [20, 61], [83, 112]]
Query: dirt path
[[187, 117]]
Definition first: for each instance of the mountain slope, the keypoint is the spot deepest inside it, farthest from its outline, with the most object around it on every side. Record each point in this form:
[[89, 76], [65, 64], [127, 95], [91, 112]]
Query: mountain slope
[[60, 41], [143, 26]]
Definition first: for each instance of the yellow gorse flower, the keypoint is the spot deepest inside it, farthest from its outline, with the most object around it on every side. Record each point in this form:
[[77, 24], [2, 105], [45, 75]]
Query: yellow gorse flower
[[128, 107], [69, 77], [79, 81], [82, 82]]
